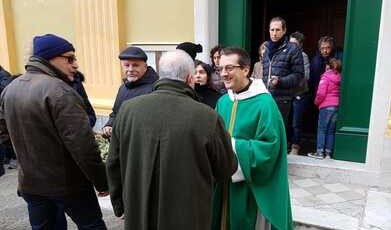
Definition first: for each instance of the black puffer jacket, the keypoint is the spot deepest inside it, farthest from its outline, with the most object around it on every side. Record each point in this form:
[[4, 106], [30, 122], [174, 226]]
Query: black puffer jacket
[[130, 90], [287, 64]]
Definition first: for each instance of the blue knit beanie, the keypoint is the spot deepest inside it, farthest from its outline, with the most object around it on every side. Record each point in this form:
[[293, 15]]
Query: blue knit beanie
[[49, 46]]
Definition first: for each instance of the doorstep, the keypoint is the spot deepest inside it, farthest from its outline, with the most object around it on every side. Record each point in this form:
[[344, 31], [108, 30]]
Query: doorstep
[[331, 170]]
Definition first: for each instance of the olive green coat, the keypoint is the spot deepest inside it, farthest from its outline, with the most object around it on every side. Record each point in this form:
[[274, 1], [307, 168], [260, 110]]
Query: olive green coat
[[166, 152]]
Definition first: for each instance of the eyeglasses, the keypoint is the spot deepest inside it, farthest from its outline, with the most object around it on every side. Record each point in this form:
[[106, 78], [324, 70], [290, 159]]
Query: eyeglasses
[[228, 68], [71, 59]]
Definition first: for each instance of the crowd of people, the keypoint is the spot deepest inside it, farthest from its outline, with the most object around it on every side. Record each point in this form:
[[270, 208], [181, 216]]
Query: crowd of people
[[194, 146], [294, 82]]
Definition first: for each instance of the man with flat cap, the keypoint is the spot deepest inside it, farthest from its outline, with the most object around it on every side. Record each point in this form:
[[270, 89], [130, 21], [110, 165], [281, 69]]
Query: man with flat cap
[[139, 79], [166, 153], [47, 123]]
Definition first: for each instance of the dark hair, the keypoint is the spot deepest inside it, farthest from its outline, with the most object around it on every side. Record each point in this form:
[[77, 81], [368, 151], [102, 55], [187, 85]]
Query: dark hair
[[215, 49], [279, 19], [328, 39], [208, 69], [298, 36], [244, 58], [335, 64]]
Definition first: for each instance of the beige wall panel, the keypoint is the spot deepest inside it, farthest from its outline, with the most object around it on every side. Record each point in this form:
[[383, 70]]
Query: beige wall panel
[[37, 17], [7, 41], [98, 44], [157, 21]]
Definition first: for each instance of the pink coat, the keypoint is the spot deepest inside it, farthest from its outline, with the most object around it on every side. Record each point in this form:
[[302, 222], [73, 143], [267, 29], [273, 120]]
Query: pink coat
[[328, 89]]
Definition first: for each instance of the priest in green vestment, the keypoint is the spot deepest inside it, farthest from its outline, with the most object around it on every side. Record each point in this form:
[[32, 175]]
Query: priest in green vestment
[[257, 196]]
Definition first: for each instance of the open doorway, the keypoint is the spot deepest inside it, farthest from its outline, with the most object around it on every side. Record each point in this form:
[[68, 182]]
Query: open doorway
[[314, 19]]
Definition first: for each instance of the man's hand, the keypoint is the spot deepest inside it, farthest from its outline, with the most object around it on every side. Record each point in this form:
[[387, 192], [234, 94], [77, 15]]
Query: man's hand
[[102, 194], [274, 80], [107, 131]]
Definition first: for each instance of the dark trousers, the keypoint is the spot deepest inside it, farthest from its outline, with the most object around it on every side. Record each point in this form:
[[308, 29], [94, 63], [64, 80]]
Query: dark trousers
[[284, 105], [2, 156], [299, 106], [9, 153], [47, 213]]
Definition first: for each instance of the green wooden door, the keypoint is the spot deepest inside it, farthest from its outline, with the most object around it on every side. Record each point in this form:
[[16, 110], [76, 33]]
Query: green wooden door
[[360, 49], [359, 61], [234, 23]]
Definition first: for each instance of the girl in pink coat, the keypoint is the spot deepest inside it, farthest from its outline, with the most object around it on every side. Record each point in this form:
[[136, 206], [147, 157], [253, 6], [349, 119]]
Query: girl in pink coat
[[327, 100]]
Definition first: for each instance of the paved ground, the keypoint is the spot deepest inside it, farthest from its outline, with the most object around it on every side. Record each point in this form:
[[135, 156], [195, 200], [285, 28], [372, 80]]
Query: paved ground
[[339, 206], [13, 210], [314, 202]]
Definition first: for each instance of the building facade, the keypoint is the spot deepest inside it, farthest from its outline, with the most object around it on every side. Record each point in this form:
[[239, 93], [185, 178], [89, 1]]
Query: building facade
[[99, 29]]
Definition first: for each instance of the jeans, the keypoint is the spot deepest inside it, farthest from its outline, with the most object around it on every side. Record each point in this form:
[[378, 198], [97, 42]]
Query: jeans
[[49, 212], [326, 129], [299, 106]]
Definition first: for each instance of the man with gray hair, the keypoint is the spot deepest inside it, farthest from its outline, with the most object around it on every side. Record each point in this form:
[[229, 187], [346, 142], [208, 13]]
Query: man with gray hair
[[166, 152]]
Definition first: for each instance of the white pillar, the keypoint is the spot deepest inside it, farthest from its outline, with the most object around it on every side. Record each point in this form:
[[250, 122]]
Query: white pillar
[[379, 145], [206, 29]]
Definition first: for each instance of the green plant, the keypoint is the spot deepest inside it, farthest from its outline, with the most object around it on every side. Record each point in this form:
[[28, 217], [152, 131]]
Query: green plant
[[103, 144]]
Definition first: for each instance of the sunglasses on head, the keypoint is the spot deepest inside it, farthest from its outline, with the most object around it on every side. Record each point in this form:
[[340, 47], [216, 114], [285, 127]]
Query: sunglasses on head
[[71, 59]]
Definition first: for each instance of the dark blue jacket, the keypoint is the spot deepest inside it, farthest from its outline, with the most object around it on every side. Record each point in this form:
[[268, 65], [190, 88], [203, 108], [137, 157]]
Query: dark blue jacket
[[77, 84], [130, 90], [287, 64], [318, 67], [5, 78]]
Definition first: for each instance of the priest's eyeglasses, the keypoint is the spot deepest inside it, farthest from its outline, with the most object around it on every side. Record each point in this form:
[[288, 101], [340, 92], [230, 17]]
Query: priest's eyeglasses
[[228, 68]]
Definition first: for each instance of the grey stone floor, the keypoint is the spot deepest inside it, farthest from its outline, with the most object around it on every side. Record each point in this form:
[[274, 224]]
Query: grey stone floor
[[339, 206], [316, 204], [13, 210]]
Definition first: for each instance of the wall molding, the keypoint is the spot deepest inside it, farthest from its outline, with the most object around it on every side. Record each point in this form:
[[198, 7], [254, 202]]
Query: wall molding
[[98, 43]]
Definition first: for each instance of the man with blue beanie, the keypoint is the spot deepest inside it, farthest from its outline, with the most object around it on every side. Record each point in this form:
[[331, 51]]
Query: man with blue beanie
[[59, 160]]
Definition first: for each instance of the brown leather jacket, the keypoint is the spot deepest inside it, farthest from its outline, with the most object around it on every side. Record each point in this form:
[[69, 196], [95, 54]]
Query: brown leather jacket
[[51, 135]]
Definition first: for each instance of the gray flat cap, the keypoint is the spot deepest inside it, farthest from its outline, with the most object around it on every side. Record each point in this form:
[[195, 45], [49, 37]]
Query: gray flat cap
[[133, 53]]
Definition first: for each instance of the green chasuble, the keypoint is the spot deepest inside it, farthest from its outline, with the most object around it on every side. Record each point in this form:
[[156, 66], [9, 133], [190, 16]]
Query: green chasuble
[[259, 141]]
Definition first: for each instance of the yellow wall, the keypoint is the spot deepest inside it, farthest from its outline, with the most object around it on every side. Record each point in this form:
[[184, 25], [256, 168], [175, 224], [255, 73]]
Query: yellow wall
[[37, 17], [157, 21], [98, 29], [7, 38]]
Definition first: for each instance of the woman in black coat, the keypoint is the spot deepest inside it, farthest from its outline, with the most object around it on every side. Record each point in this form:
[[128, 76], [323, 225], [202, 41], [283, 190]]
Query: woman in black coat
[[77, 84], [203, 84]]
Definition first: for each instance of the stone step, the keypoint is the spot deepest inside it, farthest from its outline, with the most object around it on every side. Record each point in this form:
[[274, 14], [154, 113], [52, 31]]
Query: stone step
[[300, 226], [331, 170], [310, 218]]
